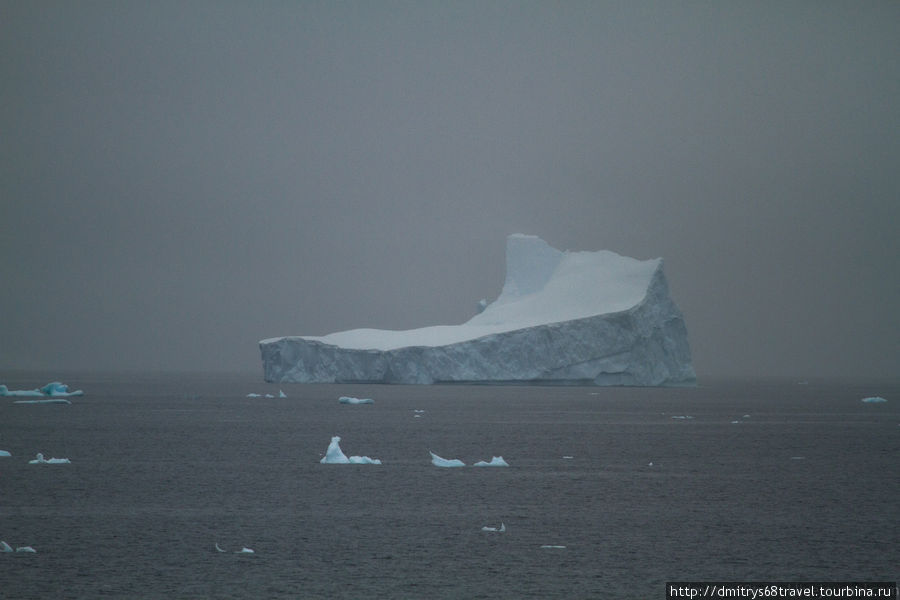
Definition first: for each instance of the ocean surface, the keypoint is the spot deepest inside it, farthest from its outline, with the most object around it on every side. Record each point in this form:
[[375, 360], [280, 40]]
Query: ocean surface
[[804, 486]]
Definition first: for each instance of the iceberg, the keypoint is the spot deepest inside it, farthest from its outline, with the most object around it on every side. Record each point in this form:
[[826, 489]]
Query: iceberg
[[40, 460], [54, 389], [5, 453], [563, 317], [352, 400], [874, 399], [4, 547], [443, 462], [496, 461], [335, 456], [500, 529]]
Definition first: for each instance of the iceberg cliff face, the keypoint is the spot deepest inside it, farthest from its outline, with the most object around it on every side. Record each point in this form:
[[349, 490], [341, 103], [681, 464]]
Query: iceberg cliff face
[[579, 318]]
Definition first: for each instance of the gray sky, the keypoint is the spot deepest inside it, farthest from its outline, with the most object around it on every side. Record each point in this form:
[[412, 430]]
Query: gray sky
[[181, 179]]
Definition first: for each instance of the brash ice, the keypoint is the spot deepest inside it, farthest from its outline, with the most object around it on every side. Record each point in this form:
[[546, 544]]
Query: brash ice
[[577, 318]]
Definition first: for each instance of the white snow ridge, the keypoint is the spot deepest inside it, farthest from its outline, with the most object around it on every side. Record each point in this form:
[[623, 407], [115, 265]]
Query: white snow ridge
[[584, 318]]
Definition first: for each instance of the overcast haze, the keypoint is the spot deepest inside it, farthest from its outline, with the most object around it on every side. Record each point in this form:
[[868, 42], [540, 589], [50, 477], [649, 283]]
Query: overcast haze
[[179, 180]]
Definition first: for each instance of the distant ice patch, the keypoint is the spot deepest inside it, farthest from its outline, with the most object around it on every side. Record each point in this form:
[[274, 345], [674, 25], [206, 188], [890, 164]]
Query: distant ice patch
[[352, 400], [53, 389], [500, 529], [496, 461], [335, 456], [40, 460], [874, 399], [443, 462]]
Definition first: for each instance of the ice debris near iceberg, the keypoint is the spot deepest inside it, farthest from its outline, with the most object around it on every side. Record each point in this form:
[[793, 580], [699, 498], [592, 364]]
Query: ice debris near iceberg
[[496, 461], [53, 389], [501, 529], [4, 547], [335, 456], [40, 460], [874, 399], [444, 462], [352, 400], [584, 318]]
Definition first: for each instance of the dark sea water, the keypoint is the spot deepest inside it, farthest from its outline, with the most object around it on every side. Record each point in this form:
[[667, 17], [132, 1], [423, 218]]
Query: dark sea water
[[163, 467]]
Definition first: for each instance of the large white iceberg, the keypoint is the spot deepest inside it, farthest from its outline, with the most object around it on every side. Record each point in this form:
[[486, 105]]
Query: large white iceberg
[[593, 318], [335, 456], [53, 389]]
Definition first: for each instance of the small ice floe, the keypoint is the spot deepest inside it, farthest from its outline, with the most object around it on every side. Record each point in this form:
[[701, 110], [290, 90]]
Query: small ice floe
[[281, 394], [682, 417], [496, 461], [4, 547], [443, 462], [733, 422], [27, 549], [252, 395], [40, 460], [4, 453], [746, 417], [218, 548], [873, 399], [269, 396], [500, 529], [552, 547], [43, 401], [417, 416], [418, 413], [798, 458], [245, 550], [650, 464], [54, 389], [568, 457], [335, 456], [352, 400], [418, 410]]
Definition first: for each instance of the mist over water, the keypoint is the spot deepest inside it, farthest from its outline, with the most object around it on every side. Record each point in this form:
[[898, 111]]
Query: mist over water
[[163, 468]]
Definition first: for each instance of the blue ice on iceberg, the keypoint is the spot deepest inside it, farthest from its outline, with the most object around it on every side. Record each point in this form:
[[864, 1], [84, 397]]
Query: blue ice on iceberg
[[443, 462], [53, 389], [5, 453], [496, 461], [873, 399], [40, 460], [352, 400], [335, 456]]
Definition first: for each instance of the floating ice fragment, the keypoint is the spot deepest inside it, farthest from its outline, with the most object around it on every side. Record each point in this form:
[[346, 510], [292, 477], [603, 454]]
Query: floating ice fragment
[[281, 394], [218, 548], [252, 395], [733, 422], [873, 399], [4, 453], [746, 417], [352, 400], [335, 456], [500, 529], [39, 460], [4, 547], [245, 550], [418, 410], [568, 457], [26, 549], [43, 401], [546, 546], [496, 461], [443, 462], [417, 416], [683, 417], [54, 389], [269, 396], [798, 458]]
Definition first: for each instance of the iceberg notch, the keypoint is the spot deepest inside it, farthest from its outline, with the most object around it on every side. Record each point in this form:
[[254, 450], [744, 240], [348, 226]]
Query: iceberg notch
[[575, 318]]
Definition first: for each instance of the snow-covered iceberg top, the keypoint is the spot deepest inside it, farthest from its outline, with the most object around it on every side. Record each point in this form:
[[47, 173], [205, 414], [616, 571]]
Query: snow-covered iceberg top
[[53, 389], [543, 285]]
